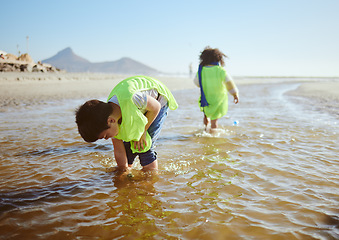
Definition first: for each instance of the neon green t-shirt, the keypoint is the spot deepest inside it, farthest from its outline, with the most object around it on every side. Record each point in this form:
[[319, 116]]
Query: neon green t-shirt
[[133, 120], [213, 83]]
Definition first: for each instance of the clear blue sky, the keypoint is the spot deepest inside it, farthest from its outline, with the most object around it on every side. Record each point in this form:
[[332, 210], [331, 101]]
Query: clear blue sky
[[261, 37]]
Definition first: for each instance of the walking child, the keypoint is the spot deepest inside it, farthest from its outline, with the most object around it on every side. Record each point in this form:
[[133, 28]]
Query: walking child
[[214, 83], [132, 117]]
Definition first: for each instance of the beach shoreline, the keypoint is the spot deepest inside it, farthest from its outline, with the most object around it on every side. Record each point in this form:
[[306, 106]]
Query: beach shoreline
[[29, 89], [323, 96]]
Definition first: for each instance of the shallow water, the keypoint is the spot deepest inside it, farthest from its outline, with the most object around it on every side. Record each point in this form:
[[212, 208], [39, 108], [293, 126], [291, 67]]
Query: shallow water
[[273, 175]]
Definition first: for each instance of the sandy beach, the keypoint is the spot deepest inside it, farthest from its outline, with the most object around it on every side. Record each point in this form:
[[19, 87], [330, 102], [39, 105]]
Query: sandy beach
[[327, 91], [28, 89], [323, 95]]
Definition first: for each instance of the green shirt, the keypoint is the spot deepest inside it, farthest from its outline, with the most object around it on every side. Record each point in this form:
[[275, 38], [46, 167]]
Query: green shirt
[[133, 120], [213, 83]]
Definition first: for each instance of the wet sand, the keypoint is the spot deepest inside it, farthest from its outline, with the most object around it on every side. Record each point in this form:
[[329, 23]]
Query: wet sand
[[323, 95], [326, 91]]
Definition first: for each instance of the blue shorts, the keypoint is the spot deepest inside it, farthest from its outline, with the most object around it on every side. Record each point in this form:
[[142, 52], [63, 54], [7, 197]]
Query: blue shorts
[[154, 131]]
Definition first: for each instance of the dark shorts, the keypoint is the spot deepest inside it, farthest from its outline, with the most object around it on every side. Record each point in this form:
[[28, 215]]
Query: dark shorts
[[154, 131]]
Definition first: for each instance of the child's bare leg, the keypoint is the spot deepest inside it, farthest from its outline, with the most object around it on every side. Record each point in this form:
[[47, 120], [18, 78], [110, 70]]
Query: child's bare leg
[[153, 166], [206, 121], [214, 125]]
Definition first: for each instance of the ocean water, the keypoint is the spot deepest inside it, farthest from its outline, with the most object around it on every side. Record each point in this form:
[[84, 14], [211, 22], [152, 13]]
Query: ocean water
[[271, 172]]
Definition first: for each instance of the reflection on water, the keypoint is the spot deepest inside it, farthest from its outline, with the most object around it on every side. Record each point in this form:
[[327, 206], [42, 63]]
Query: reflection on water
[[274, 175]]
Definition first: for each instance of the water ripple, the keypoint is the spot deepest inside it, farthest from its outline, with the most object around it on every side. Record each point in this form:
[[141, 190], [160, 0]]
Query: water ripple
[[272, 176]]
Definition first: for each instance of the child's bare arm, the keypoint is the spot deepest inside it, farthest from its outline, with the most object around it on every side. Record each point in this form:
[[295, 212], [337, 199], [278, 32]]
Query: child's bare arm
[[232, 88], [153, 109], [120, 154]]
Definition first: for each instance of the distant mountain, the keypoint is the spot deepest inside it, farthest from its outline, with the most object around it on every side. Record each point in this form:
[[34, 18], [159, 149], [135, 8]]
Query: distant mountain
[[69, 61]]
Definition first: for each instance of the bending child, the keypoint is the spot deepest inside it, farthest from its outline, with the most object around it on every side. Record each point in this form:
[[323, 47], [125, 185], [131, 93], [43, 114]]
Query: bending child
[[214, 82], [132, 117]]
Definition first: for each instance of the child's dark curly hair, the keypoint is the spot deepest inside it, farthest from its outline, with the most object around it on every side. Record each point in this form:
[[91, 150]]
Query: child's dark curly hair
[[91, 119], [210, 55]]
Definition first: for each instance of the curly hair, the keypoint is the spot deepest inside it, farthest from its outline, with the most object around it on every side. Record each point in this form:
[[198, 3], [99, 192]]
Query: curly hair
[[91, 119], [210, 55]]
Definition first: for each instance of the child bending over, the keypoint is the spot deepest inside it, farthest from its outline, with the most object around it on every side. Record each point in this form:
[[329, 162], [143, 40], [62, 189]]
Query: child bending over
[[132, 118]]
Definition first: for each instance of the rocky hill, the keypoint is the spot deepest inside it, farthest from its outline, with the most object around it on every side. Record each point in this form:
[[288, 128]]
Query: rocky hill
[[69, 61], [24, 63]]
